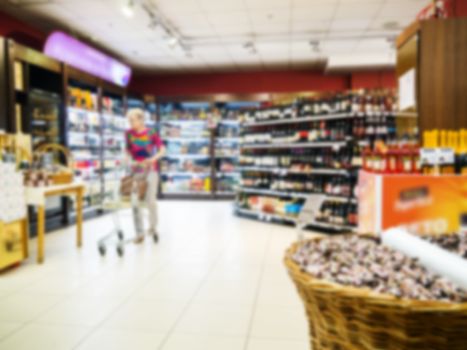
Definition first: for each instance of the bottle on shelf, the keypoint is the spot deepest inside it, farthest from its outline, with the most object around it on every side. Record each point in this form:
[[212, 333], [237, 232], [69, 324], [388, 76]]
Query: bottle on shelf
[[462, 152]]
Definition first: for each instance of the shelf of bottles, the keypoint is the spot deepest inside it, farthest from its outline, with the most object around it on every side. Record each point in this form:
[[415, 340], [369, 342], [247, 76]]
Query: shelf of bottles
[[186, 168], [311, 147], [84, 139], [45, 110], [227, 146]]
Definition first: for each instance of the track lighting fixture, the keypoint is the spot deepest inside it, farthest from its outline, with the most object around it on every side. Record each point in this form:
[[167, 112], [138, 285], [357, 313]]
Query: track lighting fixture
[[128, 8]]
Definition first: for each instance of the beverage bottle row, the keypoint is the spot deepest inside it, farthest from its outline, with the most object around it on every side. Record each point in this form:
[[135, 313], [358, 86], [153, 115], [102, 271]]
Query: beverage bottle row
[[338, 213], [304, 159]]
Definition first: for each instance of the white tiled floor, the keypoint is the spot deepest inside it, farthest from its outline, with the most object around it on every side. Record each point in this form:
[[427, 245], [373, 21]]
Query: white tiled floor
[[213, 282]]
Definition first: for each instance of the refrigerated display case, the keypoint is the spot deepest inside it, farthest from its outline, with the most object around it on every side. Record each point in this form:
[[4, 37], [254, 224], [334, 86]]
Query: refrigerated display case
[[114, 124], [227, 146], [44, 109], [186, 170], [84, 139]]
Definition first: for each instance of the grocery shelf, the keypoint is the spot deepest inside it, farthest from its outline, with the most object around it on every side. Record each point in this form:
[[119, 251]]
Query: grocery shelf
[[265, 216], [184, 121], [186, 139], [191, 193], [81, 110], [227, 155], [228, 139], [323, 171], [277, 217], [340, 198], [195, 156], [300, 119], [185, 173], [227, 173], [326, 144], [301, 195], [329, 226], [229, 122]]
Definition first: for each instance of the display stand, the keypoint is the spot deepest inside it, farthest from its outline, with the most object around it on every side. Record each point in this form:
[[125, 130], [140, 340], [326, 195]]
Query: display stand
[[424, 204], [37, 196]]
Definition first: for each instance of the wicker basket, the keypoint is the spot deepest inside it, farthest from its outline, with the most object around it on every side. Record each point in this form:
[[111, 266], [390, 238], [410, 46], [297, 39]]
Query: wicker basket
[[350, 318], [65, 176]]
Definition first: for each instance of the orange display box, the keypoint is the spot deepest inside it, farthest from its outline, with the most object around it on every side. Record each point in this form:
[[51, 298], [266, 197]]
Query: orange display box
[[426, 204]]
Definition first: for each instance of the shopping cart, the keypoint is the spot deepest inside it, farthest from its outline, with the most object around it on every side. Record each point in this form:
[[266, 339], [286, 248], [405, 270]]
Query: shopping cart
[[115, 203], [309, 210]]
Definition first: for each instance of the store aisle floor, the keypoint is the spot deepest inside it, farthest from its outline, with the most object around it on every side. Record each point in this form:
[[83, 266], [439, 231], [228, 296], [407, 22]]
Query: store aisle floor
[[213, 282]]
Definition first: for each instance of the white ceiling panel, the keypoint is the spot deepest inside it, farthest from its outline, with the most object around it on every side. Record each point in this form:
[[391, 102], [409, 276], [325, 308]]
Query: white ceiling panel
[[267, 4], [96, 9], [310, 26], [178, 5], [271, 16], [403, 7], [265, 30], [338, 46], [187, 19], [373, 45], [359, 10], [342, 61], [229, 18], [210, 6], [272, 48], [383, 21], [350, 24], [228, 31], [316, 11]]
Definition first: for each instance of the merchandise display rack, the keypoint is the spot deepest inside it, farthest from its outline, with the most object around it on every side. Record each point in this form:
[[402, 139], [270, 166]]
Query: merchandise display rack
[[84, 139], [202, 141], [301, 136], [95, 134]]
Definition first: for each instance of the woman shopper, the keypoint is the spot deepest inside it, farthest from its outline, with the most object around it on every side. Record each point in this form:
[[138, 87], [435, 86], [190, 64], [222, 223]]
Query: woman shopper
[[144, 148]]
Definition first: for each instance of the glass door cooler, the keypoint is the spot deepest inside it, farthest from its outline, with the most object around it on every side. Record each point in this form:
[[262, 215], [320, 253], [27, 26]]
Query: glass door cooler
[[84, 139], [114, 125], [227, 147], [186, 170]]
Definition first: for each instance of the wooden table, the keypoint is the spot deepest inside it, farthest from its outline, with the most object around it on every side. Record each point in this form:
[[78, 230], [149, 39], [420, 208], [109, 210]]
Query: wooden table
[[37, 196]]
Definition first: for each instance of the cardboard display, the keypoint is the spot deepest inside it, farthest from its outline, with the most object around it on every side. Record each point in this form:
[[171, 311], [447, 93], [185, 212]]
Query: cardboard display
[[426, 204]]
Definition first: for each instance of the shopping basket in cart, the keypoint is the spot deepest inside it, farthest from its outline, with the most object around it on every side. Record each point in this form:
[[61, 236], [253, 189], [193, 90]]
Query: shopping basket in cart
[[114, 202]]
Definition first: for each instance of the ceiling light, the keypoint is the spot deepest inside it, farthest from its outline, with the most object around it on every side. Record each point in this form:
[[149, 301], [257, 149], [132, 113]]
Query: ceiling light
[[172, 41], [250, 47], [391, 25], [315, 46], [128, 9]]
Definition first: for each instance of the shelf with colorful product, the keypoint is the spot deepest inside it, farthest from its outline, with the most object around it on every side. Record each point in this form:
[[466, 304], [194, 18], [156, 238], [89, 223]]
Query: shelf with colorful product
[[313, 147]]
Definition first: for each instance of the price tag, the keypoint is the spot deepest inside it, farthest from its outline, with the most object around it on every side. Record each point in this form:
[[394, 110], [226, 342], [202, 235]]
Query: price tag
[[429, 156], [446, 156]]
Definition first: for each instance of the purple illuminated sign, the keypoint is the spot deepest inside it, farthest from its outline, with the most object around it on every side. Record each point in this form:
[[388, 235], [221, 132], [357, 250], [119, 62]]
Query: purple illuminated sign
[[79, 55]]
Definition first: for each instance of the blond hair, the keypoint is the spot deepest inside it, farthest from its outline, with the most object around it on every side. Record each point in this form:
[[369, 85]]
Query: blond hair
[[137, 113]]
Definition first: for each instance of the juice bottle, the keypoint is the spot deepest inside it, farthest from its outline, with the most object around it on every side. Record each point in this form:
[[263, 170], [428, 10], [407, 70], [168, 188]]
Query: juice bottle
[[446, 162], [429, 151], [463, 152]]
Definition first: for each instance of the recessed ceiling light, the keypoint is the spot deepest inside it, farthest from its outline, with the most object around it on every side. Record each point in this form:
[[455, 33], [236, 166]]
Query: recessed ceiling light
[[391, 25], [128, 9], [172, 41], [315, 46]]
